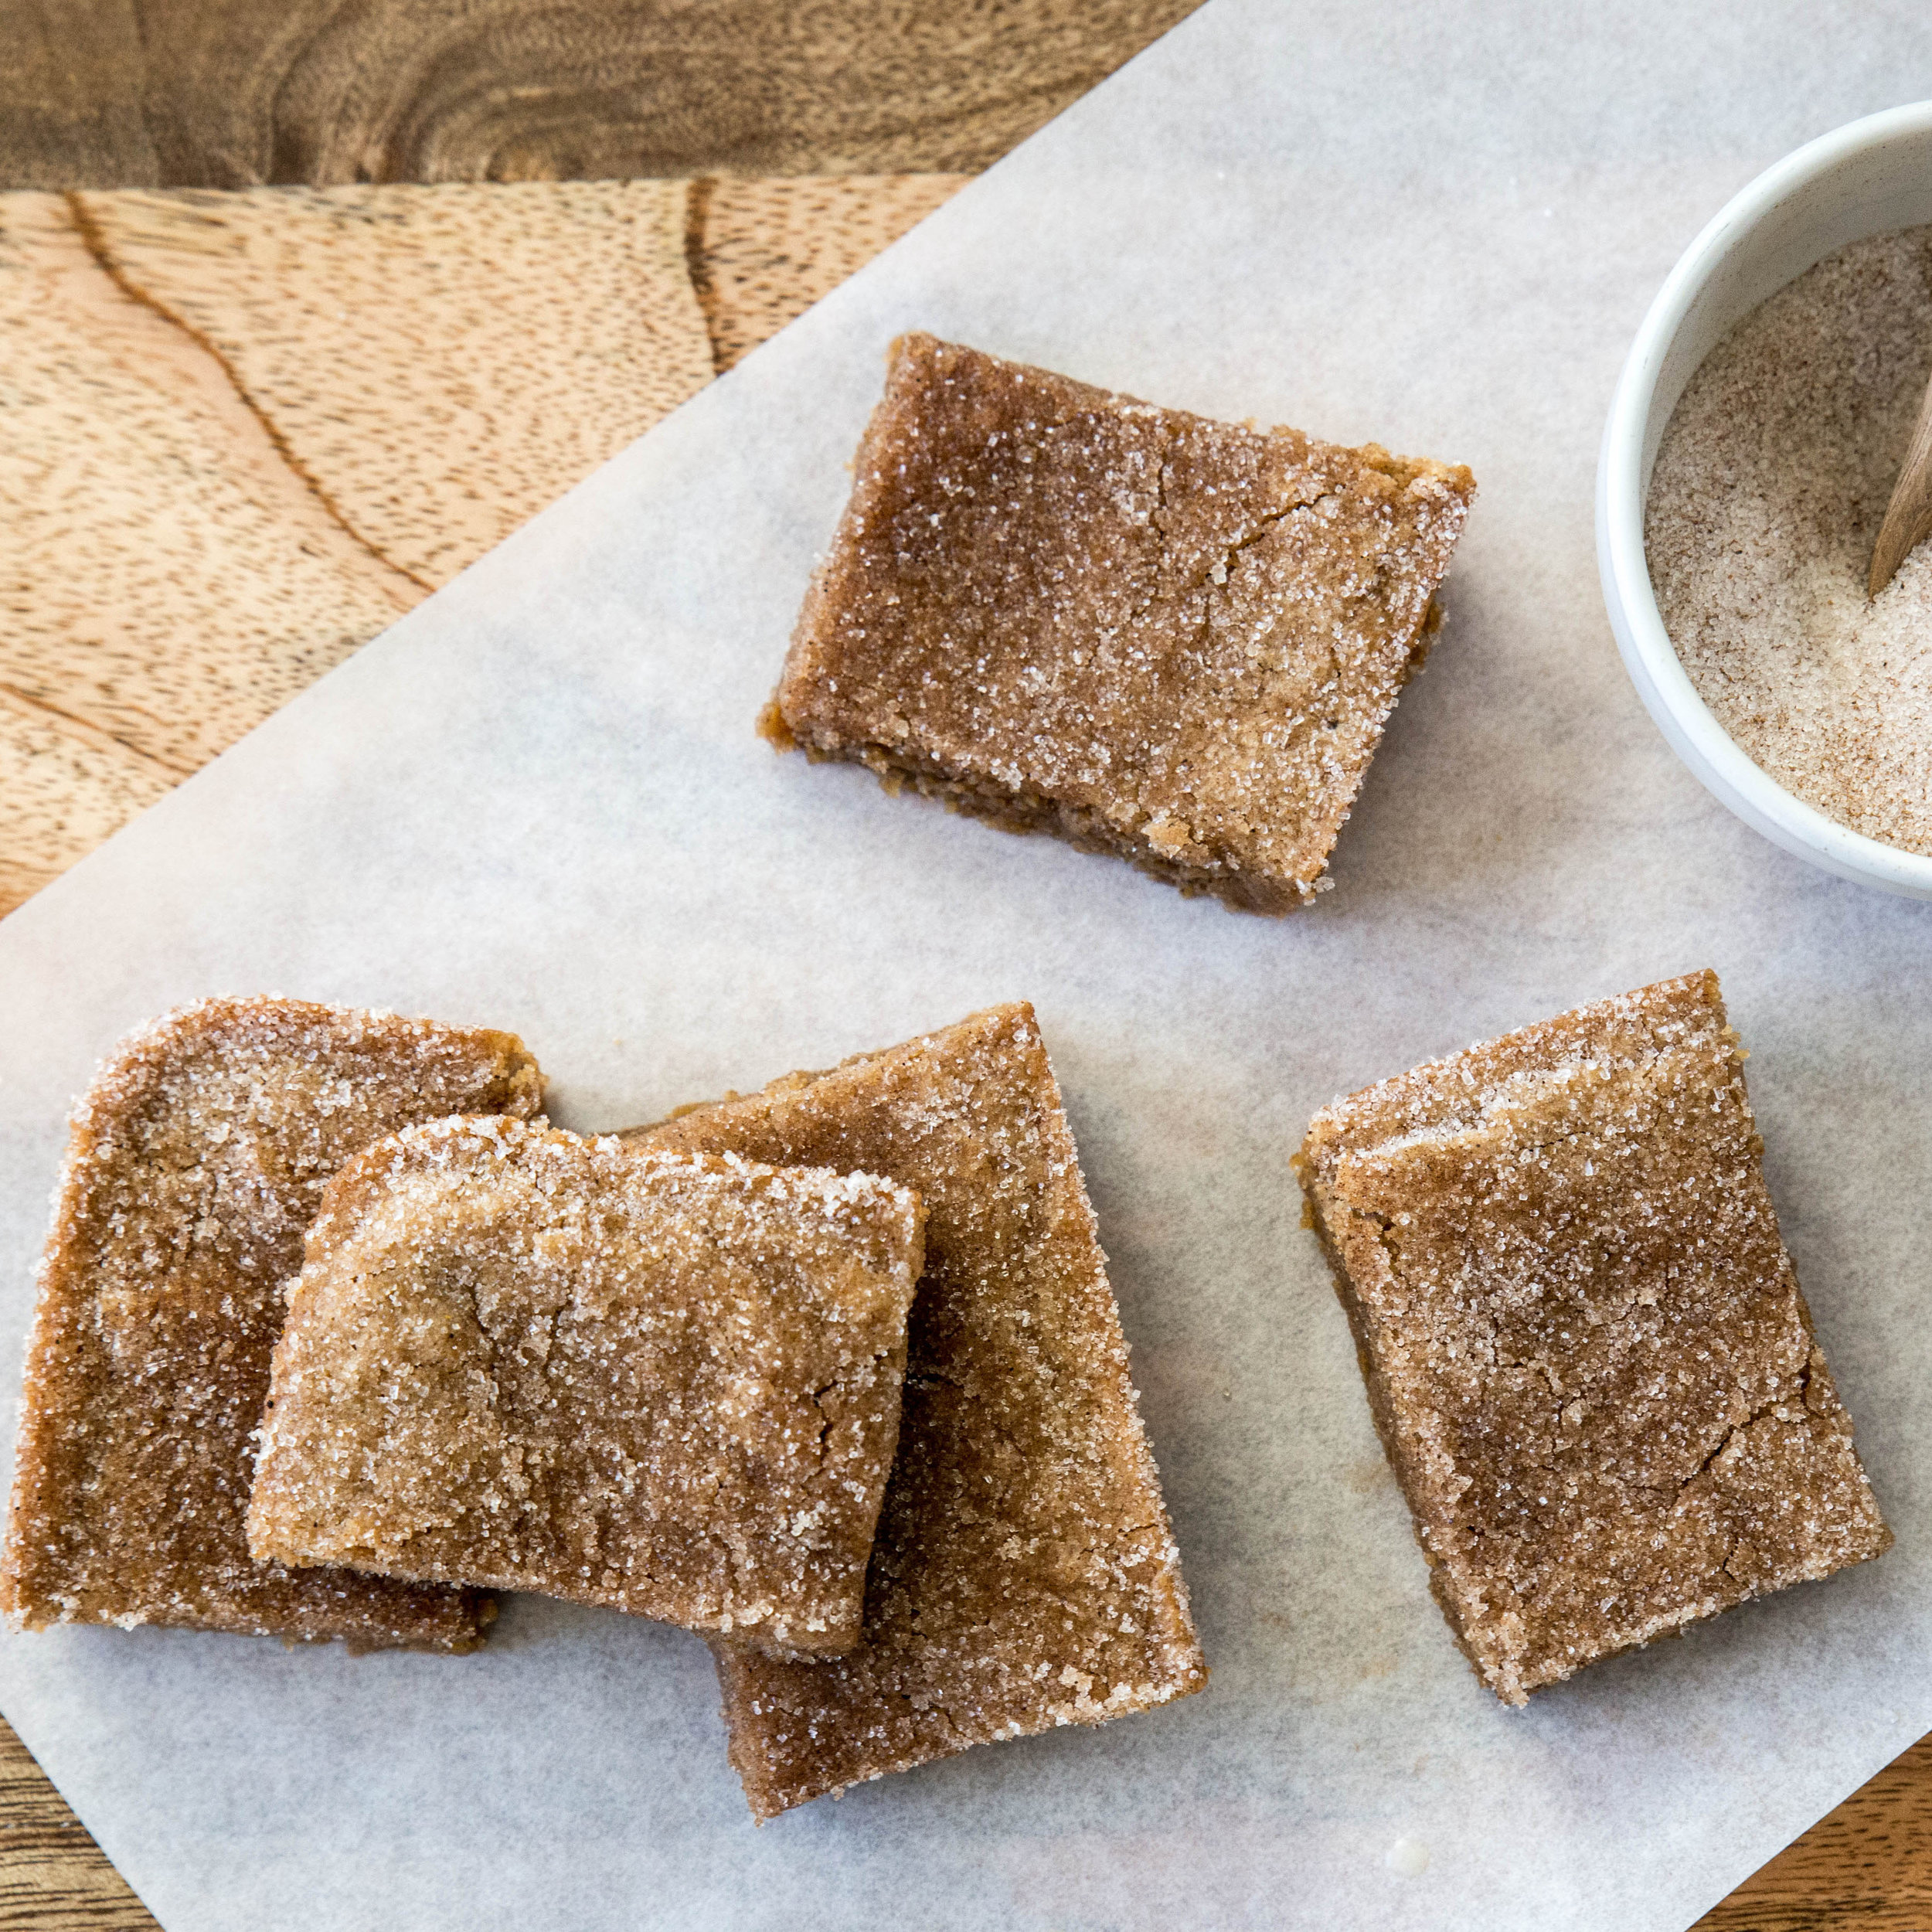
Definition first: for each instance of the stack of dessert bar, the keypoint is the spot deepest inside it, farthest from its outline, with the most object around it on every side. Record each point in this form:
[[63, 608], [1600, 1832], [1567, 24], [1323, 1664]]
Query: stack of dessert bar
[[336, 1337]]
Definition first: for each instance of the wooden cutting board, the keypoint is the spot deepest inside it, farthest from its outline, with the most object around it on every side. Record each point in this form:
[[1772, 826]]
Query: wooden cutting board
[[245, 430]]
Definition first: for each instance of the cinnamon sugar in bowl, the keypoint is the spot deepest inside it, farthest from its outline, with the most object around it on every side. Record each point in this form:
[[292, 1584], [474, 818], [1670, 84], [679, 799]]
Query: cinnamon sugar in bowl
[[1872, 177]]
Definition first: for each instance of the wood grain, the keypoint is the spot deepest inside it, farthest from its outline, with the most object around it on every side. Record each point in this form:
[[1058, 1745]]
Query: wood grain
[[234, 93], [1866, 1867], [169, 581], [436, 364], [71, 115], [764, 251], [53, 1876]]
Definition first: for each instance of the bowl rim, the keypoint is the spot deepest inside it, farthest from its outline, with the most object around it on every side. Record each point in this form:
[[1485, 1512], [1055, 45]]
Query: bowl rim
[[1687, 723]]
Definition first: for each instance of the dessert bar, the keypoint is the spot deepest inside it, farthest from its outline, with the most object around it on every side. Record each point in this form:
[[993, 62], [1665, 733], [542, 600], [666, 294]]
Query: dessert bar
[[1024, 1576], [1583, 1341], [662, 1381], [194, 1164], [1156, 635]]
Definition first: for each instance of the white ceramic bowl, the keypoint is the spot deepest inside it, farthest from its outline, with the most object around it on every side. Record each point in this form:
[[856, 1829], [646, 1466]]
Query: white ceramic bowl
[[1865, 179]]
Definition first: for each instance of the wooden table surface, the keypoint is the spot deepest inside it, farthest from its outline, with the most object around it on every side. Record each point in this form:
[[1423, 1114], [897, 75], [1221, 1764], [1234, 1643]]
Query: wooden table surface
[[305, 304]]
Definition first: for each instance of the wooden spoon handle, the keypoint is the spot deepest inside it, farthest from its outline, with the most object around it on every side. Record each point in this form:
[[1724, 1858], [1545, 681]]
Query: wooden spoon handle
[[1908, 519]]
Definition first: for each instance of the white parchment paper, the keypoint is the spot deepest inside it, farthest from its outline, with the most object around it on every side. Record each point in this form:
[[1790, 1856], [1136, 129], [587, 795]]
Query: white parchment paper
[[537, 803]]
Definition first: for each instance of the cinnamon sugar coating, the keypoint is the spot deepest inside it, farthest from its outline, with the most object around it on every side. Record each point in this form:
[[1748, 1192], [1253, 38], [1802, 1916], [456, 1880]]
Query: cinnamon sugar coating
[[1168, 639], [1584, 1343], [660, 1381], [1024, 1576], [194, 1163]]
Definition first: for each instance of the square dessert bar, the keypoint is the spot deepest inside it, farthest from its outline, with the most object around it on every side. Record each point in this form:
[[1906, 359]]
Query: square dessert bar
[[195, 1163], [662, 1381], [1155, 635], [1024, 1576], [1584, 1343]]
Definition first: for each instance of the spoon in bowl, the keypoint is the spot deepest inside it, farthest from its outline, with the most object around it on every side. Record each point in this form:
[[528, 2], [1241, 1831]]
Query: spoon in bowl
[[1908, 518]]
